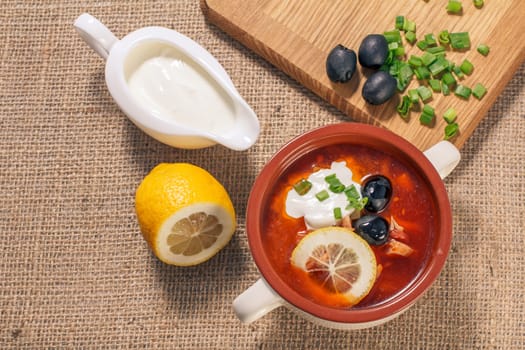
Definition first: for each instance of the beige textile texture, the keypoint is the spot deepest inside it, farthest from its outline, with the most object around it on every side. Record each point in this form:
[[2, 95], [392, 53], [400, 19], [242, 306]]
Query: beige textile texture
[[75, 271]]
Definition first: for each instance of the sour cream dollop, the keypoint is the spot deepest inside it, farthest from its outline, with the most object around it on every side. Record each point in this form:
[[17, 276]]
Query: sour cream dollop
[[317, 213]]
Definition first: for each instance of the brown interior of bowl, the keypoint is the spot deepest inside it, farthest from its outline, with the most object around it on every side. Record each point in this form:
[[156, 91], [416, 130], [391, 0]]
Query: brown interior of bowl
[[379, 139]]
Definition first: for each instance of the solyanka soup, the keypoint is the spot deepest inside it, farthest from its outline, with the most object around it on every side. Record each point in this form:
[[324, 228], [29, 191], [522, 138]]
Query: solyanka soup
[[401, 244]]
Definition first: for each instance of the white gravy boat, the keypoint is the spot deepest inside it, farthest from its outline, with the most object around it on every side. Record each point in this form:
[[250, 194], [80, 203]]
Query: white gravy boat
[[143, 74]]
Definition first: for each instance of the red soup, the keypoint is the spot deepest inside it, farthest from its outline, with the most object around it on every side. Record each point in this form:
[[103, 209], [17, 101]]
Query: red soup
[[409, 214]]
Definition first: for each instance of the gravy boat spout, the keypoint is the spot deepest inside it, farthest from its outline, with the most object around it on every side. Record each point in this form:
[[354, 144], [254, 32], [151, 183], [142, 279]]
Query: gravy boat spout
[[245, 131], [171, 87]]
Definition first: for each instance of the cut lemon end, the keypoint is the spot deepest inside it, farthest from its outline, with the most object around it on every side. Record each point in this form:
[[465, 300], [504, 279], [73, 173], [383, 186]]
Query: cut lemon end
[[339, 260], [194, 234]]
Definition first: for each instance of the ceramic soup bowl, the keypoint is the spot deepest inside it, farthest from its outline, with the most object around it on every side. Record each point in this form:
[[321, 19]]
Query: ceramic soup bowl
[[276, 288]]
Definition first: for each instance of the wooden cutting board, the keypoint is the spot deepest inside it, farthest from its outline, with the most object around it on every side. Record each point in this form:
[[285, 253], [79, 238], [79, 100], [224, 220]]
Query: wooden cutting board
[[297, 35]]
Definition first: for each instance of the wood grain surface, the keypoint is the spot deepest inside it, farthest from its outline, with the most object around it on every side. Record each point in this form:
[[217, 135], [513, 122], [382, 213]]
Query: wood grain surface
[[297, 35]]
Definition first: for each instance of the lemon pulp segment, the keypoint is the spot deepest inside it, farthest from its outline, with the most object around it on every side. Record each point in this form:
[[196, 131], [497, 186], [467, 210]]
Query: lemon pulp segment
[[194, 233]]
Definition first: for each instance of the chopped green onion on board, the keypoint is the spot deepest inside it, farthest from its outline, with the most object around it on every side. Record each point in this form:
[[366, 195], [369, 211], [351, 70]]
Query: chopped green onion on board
[[410, 37], [478, 91], [451, 130], [435, 73], [483, 49], [466, 67], [424, 92], [454, 7], [460, 41], [404, 106], [427, 116], [435, 85], [444, 37], [413, 95], [478, 3], [463, 91], [450, 115]]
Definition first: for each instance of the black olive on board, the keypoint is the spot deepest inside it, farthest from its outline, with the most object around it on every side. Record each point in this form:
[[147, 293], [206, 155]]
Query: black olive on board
[[378, 190], [373, 51], [373, 228], [340, 64], [379, 88]]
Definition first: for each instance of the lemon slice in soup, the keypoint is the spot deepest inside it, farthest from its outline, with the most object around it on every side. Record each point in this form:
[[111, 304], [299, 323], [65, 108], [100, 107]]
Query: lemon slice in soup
[[339, 260]]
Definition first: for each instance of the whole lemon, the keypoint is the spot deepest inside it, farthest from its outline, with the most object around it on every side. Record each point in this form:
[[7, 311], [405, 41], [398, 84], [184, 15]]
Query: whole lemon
[[184, 213]]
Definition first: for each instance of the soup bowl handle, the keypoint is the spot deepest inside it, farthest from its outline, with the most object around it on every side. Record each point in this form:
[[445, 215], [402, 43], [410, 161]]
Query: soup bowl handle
[[256, 301], [444, 156]]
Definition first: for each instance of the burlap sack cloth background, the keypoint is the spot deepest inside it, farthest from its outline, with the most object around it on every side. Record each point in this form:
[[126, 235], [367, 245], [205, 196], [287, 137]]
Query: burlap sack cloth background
[[75, 271]]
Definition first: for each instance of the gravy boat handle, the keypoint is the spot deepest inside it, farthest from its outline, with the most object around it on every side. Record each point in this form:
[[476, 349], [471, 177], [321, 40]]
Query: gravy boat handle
[[95, 34]]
